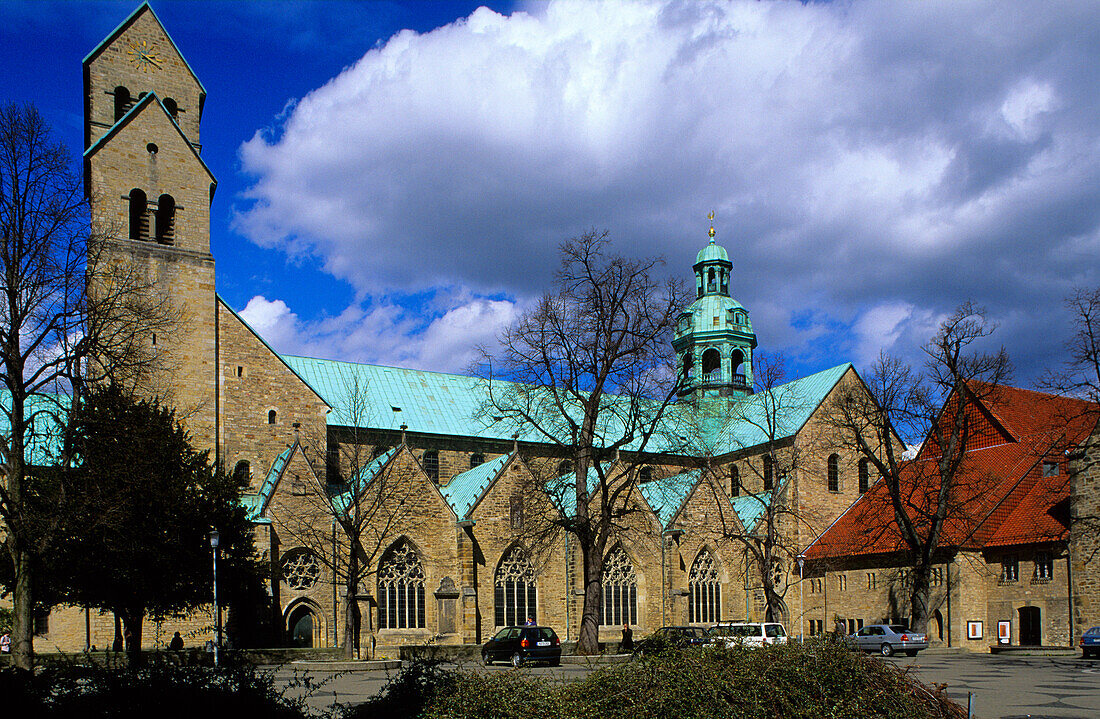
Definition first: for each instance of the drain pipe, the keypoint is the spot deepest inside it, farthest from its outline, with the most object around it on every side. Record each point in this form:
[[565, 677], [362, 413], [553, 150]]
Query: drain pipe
[[568, 588]]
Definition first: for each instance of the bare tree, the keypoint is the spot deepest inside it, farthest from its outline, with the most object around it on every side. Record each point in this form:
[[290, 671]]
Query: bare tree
[[766, 528], [1079, 378], [590, 372], [939, 405], [58, 331], [368, 493]]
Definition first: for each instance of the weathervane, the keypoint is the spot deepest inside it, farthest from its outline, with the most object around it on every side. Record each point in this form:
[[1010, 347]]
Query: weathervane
[[710, 216]]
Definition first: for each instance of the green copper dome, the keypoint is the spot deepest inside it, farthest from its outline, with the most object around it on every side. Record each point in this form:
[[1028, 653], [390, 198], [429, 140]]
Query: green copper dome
[[711, 253]]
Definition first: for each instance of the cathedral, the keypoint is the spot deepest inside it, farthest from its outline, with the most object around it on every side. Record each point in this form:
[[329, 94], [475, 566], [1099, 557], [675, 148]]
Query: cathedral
[[457, 560]]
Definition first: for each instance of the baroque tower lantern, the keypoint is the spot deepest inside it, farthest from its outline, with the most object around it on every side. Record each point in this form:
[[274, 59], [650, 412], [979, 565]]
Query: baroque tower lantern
[[714, 338]]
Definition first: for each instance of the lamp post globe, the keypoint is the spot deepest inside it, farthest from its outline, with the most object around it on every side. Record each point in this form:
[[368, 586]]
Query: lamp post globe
[[215, 538]]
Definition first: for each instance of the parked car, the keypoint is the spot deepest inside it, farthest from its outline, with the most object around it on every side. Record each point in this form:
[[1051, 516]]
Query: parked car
[[678, 637], [887, 639], [1090, 643], [520, 645], [748, 634]]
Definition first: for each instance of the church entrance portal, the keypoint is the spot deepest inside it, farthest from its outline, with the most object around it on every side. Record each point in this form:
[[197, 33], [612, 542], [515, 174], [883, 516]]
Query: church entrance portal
[[1030, 628], [300, 626]]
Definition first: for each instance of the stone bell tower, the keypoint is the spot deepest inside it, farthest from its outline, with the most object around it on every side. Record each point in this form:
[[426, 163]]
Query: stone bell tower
[[150, 192], [714, 338]]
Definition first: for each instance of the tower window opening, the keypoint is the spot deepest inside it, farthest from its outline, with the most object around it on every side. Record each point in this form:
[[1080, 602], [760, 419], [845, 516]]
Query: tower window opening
[[725, 283], [171, 107], [271, 416], [712, 365], [737, 362], [123, 102], [166, 219], [834, 473], [139, 218], [689, 365], [711, 287]]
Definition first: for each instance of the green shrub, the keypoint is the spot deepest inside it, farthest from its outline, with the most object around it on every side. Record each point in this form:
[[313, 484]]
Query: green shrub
[[819, 679], [162, 692]]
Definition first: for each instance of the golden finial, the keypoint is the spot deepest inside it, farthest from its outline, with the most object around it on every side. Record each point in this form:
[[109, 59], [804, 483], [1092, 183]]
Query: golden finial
[[710, 216]]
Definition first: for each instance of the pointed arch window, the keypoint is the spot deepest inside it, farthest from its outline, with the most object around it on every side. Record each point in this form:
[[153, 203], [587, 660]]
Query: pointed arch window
[[619, 603], [704, 590], [139, 219], [401, 588], [834, 473], [864, 476], [514, 589], [166, 219]]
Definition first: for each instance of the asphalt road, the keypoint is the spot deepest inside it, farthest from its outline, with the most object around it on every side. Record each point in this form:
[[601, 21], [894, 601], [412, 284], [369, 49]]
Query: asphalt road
[[1003, 687]]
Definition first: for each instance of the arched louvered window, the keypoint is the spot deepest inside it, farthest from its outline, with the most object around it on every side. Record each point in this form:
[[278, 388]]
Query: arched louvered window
[[123, 102], [172, 108], [834, 473], [704, 590], [401, 588], [514, 589], [166, 219], [139, 219], [619, 604], [864, 476]]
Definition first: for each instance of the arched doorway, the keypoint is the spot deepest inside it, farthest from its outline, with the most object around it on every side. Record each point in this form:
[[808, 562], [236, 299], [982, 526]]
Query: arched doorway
[[301, 623], [1031, 629], [937, 625]]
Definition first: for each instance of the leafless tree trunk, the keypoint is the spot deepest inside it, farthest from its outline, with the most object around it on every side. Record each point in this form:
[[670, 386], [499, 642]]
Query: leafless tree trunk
[[771, 543], [58, 331], [591, 371], [935, 404]]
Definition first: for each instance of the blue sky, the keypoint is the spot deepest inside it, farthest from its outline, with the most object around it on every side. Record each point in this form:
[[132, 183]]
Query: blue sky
[[394, 178]]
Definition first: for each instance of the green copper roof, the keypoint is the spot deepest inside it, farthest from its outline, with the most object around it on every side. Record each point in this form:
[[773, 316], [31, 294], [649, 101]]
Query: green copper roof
[[45, 415], [712, 252], [465, 490], [777, 414], [665, 496], [343, 501], [255, 504]]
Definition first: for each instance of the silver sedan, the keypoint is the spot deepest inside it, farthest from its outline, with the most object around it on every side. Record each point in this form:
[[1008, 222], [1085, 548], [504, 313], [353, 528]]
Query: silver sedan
[[889, 638]]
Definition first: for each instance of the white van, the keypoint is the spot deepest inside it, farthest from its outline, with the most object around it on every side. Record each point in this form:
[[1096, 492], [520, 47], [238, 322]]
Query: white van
[[747, 634]]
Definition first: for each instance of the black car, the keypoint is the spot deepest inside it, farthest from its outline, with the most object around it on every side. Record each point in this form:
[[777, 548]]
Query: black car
[[520, 645], [678, 637]]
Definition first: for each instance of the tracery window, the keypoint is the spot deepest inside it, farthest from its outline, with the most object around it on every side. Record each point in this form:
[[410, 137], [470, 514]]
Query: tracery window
[[401, 588], [620, 590], [514, 595], [704, 590], [301, 569]]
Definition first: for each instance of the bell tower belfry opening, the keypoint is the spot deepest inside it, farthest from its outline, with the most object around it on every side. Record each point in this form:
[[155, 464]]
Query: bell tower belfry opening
[[714, 338]]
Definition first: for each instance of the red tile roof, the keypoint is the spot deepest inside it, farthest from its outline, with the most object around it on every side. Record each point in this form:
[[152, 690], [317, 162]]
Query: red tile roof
[[1000, 498]]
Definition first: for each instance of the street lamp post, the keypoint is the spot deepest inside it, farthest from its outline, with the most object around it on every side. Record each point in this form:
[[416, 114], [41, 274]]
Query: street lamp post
[[801, 609], [214, 537]]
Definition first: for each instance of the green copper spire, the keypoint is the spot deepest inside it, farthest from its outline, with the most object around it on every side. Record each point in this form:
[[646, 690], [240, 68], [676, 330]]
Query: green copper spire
[[714, 336]]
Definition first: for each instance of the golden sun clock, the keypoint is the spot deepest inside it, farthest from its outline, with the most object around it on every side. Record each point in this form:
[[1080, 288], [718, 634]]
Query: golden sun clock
[[144, 56]]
